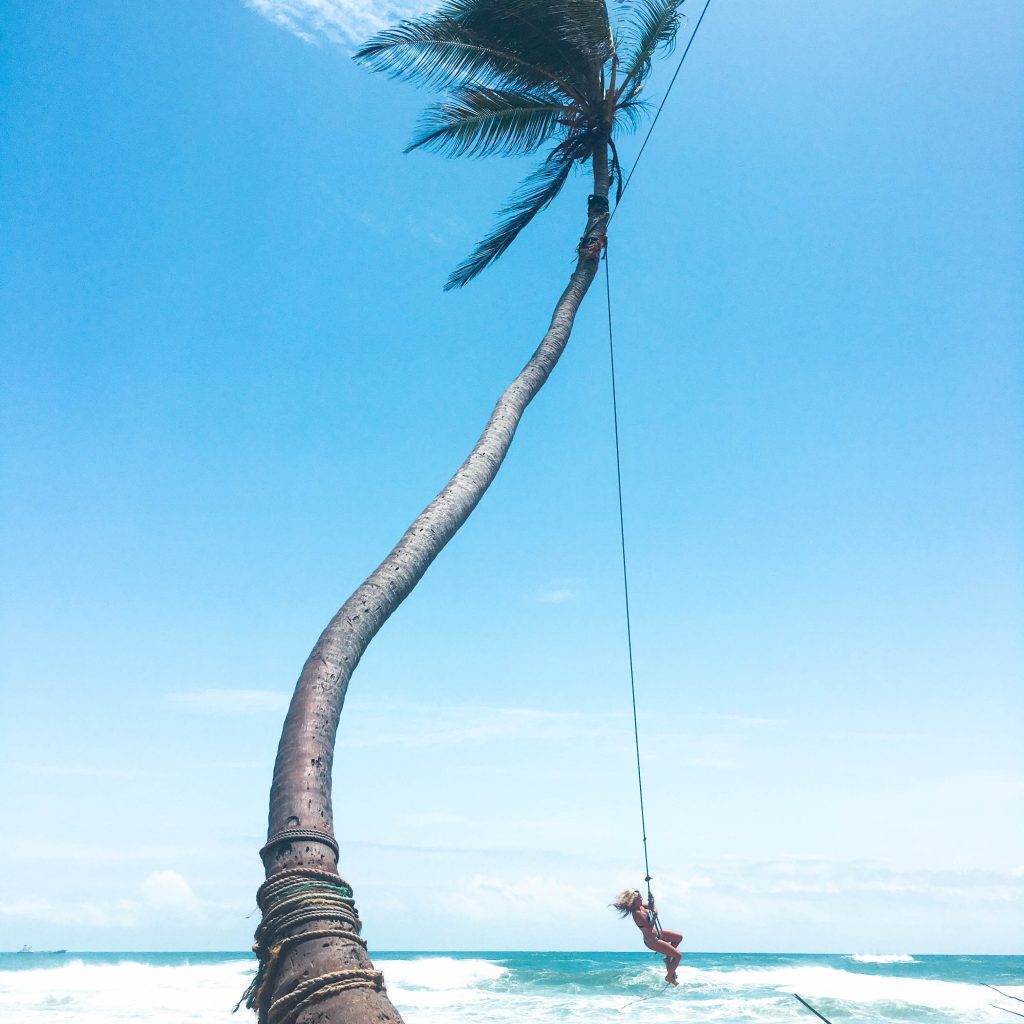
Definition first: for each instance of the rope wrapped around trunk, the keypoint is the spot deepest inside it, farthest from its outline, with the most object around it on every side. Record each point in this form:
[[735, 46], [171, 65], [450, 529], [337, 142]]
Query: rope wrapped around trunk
[[291, 898], [287, 1009]]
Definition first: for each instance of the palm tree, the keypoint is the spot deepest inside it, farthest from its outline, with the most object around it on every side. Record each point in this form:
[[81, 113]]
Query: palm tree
[[516, 76]]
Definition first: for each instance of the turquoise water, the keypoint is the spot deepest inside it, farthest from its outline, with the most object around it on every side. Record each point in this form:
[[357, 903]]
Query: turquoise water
[[501, 988]]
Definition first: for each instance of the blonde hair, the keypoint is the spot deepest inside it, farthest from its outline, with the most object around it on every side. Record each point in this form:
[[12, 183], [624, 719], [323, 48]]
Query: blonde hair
[[623, 903]]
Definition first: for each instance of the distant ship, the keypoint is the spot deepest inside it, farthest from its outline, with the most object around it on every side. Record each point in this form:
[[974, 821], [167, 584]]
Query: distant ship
[[41, 952]]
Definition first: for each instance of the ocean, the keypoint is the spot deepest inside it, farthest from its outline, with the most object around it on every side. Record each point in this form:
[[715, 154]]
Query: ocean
[[502, 988]]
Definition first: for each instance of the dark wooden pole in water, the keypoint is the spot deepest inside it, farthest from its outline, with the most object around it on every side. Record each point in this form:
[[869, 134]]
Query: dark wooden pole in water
[[812, 1009]]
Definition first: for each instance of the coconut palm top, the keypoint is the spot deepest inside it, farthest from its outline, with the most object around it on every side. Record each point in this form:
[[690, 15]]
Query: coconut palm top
[[516, 76]]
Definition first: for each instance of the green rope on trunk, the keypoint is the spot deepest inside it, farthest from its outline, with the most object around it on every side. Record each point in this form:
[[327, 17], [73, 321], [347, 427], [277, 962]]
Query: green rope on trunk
[[302, 896]]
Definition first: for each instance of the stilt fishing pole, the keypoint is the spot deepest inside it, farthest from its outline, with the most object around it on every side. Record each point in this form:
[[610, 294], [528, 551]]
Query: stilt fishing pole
[[1006, 1009], [820, 1016], [1002, 993]]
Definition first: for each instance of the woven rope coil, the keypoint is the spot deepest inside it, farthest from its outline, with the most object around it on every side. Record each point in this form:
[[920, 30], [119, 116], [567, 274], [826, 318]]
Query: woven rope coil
[[286, 1009], [293, 878], [297, 835], [302, 896]]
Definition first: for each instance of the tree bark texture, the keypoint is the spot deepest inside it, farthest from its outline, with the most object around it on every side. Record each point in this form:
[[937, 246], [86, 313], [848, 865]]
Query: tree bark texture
[[301, 827]]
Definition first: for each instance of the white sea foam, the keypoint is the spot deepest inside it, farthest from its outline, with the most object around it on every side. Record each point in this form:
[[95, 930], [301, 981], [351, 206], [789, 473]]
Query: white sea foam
[[79, 993], [439, 982], [440, 972], [882, 958], [477, 990], [845, 986]]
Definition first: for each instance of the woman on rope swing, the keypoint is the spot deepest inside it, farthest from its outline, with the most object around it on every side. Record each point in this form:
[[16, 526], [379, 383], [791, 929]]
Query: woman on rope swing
[[656, 938]]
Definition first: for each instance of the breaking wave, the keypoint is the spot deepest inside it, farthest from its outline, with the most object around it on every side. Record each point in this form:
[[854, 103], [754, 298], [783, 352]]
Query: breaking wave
[[883, 958], [544, 988]]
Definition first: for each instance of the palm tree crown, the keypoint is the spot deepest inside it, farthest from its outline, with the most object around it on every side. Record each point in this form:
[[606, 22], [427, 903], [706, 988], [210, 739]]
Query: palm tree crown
[[519, 75]]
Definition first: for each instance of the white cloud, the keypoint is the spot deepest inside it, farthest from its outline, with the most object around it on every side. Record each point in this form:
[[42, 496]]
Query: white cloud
[[59, 771], [421, 725], [337, 21], [486, 897], [792, 882], [718, 764], [560, 591], [228, 702], [161, 894], [748, 720], [50, 849], [390, 723], [92, 914], [432, 818], [168, 891], [809, 876]]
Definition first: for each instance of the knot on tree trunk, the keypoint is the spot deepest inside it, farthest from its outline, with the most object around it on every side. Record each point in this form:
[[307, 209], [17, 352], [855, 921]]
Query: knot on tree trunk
[[591, 246]]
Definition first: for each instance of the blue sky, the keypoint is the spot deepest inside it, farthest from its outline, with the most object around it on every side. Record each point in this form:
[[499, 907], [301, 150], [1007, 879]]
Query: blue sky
[[231, 378]]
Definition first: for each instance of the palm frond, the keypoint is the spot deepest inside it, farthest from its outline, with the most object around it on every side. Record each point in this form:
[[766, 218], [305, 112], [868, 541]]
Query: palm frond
[[571, 37], [497, 44], [440, 52], [482, 122], [651, 26], [615, 171], [632, 113], [585, 26], [532, 196]]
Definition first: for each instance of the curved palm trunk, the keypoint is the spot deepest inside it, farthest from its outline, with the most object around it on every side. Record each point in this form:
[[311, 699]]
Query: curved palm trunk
[[300, 834]]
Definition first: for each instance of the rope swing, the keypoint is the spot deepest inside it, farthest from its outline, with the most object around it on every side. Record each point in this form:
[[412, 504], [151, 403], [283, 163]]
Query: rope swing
[[618, 455], [625, 572]]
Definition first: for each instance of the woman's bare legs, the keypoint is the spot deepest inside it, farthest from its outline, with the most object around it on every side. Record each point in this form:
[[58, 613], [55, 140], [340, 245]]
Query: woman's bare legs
[[668, 951], [673, 939]]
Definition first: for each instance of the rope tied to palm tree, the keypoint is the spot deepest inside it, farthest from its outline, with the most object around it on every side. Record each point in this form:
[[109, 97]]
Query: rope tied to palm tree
[[287, 1009], [592, 244], [297, 835], [289, 899]]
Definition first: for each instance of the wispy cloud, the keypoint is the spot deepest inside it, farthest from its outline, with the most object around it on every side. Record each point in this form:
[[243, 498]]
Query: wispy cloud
[[406, 725], [718, 764], [560, 591], [227, 702], [748, 720], [798, 877], [169, 892], [164, 893], [401, 723], [336, 21], [64, 771], [115, 913], [51, 848], [488, 897]]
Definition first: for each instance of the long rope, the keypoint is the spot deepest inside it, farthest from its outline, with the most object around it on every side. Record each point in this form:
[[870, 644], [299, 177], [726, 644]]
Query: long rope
[[661, 107], [625, 574], [618, 455]]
